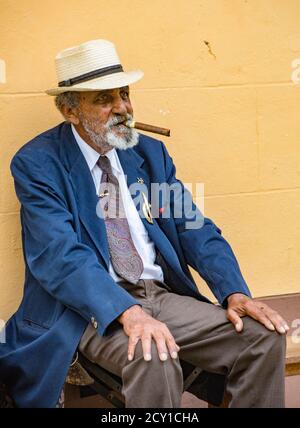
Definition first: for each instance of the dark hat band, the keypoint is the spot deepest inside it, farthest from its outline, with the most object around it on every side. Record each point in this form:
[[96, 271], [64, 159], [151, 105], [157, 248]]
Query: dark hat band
[[92, 75]]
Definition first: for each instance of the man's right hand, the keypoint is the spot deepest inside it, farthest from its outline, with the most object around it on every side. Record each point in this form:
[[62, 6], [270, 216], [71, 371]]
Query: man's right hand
[[140, 326]]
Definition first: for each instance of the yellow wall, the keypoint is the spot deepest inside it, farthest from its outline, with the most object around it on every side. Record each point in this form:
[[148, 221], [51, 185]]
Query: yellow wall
[[230, 103]]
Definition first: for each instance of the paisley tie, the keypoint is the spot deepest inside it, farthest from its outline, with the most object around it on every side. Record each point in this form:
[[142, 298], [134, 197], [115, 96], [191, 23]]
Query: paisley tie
[[124, 257]]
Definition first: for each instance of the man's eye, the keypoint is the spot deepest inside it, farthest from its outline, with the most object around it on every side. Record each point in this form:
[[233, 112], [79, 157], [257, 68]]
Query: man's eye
[[125, 95], [102, 99]]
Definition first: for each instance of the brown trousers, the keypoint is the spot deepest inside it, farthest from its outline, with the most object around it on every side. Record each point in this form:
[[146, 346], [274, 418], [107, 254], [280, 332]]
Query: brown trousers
[[252, 361]]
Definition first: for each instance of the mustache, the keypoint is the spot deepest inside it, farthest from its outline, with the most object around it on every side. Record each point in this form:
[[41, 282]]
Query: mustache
[[116, 119]]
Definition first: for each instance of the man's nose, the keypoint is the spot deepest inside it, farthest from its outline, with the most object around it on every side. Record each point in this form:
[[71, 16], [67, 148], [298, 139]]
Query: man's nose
[[119, 106]]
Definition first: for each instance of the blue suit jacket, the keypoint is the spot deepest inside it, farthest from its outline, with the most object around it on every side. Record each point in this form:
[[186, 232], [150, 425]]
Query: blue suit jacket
[[66, 257]]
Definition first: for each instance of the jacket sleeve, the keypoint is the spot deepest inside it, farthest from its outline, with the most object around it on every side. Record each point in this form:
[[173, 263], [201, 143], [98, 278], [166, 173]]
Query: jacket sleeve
[[203, 245], [67, 269]]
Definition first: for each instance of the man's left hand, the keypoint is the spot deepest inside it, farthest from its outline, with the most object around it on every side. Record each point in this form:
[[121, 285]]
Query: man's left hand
[[240, 305]]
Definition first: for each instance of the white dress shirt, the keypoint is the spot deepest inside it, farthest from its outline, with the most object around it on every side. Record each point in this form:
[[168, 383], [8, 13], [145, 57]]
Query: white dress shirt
[[139, 234]]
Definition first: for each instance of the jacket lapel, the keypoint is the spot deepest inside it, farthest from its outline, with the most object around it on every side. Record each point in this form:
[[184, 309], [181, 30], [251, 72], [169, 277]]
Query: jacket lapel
[[85, 192]]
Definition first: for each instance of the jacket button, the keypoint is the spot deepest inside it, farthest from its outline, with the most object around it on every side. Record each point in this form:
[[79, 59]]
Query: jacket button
[[95, 324], [92, 320]]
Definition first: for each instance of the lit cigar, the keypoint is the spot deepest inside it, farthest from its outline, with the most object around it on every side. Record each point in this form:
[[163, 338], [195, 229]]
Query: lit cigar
[[148, 128]]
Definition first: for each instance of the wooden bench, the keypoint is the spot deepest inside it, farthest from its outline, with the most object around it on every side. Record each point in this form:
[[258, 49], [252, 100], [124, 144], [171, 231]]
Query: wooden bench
[[292, 361]]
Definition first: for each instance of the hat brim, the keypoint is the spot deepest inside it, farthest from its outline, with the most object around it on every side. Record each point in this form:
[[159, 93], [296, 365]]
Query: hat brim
[[111, 81]]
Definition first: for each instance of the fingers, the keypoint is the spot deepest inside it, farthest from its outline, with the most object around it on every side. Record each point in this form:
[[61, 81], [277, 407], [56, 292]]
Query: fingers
[[172, 346], [146, 345], [235, 319], [279, 324], [267, 316], [259, 316], [161, 346], [260, 311], [165, 343], [132, 342]]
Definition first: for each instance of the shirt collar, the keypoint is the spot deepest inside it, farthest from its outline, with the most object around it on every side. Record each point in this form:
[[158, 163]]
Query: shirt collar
[[92, 156]]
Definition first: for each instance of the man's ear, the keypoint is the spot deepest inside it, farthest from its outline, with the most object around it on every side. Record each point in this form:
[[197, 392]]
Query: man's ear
[[70, 114]]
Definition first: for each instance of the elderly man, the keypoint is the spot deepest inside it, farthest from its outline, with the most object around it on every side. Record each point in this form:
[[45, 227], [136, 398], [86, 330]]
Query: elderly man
[[104, 278]]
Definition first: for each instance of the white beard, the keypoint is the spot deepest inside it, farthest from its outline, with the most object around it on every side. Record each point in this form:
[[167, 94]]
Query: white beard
[[128, 139], [123, 142]]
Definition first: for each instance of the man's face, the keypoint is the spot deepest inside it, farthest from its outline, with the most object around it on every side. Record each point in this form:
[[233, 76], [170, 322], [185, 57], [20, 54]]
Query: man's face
[[101, 116]]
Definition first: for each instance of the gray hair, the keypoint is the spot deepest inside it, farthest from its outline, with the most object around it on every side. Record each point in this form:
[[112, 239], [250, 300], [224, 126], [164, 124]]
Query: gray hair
[[70, 99]]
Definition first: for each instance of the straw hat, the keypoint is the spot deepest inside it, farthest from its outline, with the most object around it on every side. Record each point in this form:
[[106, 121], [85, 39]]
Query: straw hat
[[92, 66]]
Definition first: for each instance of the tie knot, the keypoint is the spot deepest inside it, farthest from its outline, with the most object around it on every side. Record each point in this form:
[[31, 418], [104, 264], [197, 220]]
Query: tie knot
[[104, 163]]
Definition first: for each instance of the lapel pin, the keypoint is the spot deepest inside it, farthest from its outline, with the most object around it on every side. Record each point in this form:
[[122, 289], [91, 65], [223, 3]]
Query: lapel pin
[[105, 193], [147, 210], [140, 180]]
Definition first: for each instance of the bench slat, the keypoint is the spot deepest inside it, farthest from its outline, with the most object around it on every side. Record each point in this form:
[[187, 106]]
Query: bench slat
[[292, 360]]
